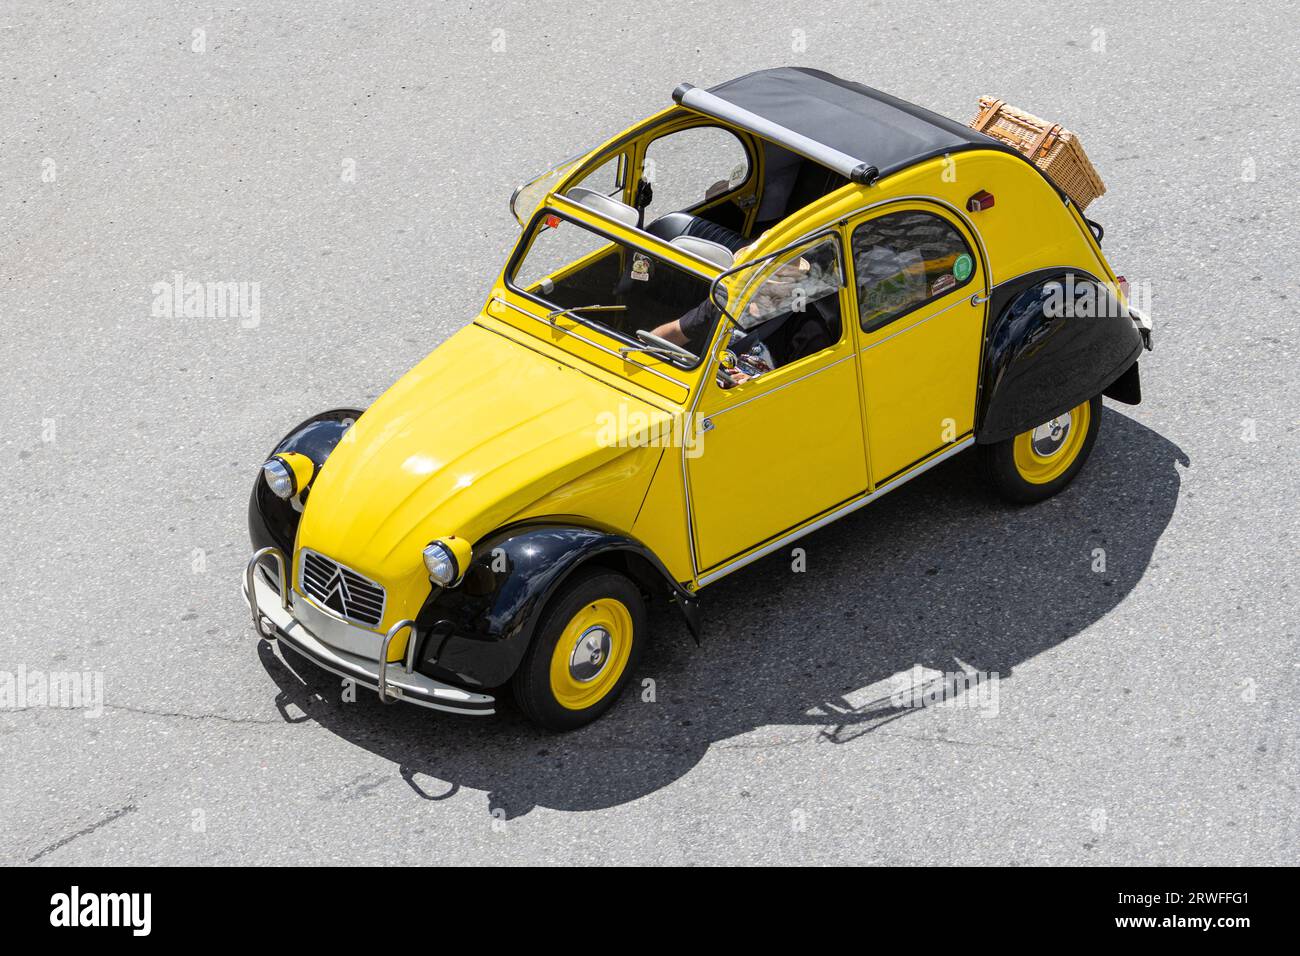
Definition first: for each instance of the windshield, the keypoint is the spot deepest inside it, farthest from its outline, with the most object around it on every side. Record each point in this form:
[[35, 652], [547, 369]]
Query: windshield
[[584, 276]]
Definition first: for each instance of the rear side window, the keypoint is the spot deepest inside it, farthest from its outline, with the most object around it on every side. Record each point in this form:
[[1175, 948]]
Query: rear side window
[[692, 166], [903, 260]]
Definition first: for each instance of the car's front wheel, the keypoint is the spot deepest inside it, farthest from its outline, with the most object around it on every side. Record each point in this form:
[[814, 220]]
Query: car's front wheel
[[587, 642], [1038, 463]]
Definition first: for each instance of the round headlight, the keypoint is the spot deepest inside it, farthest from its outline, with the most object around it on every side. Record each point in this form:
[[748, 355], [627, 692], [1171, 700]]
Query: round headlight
[[288, 473], [441, 564], [279, 478]]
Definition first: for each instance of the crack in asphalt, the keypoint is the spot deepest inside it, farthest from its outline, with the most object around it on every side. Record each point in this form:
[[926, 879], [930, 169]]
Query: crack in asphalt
[[184, 716], [814, 736], [820, 733], [85, 831], [980, 744], [145, 712]]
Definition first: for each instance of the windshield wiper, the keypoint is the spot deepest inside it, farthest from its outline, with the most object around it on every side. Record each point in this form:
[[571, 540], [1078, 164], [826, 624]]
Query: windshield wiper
[[556, 313], [658, 347]]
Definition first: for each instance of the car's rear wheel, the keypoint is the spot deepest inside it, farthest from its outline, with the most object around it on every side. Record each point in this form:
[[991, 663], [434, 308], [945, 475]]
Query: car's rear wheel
[[1038, 463], [588, 640]]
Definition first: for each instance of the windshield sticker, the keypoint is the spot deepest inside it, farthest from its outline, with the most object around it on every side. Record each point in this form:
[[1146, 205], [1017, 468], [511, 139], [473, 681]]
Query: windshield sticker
[[640, 267], [963, 267], [943, 284]]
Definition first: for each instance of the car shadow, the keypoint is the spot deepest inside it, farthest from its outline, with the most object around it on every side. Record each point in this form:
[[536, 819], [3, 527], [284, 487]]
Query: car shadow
[[936, 580]]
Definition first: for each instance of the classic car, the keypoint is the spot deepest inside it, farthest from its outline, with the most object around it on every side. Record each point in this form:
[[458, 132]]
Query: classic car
[[747, 316]]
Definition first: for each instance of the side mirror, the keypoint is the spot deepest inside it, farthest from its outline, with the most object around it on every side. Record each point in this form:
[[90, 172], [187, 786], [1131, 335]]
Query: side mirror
[[727, 359]]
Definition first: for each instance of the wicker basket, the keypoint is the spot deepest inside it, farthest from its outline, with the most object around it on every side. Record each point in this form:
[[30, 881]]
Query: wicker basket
[[1052, 148]]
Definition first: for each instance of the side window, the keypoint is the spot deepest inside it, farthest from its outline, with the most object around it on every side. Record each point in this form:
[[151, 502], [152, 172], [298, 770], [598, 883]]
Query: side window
[[606, 179], [691, 166], [902, 260], [791, 311]]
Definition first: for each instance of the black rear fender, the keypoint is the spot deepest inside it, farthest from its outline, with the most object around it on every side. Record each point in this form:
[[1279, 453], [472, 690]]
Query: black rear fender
[[1055, 339]]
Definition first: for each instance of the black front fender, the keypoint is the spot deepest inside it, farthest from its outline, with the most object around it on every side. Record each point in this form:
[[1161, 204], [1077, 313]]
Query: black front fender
[[272, 521], [1056, 338], [479, 630]]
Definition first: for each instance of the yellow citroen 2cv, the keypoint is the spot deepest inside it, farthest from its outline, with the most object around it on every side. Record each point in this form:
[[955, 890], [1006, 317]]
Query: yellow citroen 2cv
[[743, 318]]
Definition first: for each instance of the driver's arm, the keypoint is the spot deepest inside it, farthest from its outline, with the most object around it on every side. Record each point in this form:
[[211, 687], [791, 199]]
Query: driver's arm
[[672, 331], [689, 330]]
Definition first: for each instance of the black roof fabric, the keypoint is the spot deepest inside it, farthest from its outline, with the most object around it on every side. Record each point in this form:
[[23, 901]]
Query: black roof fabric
[[874, 127]]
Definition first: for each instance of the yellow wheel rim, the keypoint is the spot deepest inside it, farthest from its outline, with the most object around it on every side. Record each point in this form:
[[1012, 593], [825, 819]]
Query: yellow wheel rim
[[1045, 453], [590, 655]]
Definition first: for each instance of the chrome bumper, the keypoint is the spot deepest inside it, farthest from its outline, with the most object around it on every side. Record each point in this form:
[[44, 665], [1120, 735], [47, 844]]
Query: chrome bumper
[[273, 619]]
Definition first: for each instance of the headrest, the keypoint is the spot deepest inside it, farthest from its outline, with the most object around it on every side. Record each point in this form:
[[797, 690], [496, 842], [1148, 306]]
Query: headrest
[[706, 249], [604, 205]]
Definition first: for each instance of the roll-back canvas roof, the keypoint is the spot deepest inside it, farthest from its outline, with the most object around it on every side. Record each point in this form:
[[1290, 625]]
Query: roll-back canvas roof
[[858, 131]]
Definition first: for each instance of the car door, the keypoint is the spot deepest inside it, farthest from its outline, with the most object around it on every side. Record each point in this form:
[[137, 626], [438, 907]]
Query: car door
[[919, 294], [787, 444]]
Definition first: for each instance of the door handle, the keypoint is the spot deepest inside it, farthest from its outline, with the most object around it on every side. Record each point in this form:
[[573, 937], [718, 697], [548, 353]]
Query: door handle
[[978, 299]]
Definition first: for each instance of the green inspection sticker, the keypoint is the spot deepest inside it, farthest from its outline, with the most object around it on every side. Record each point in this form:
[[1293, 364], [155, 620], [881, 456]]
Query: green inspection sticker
[[961, 269]]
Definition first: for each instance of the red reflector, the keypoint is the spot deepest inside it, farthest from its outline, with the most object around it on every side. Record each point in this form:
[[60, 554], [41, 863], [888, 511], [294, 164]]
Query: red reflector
[[980, 201], [1123, 285], [552, 222]]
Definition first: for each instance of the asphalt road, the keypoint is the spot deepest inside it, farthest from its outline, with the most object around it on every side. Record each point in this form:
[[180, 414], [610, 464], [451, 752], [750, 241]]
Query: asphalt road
[[1144, 714]]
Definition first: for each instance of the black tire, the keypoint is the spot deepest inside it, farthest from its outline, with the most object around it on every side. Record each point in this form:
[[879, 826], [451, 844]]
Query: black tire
[[532, 685], [998, 464]]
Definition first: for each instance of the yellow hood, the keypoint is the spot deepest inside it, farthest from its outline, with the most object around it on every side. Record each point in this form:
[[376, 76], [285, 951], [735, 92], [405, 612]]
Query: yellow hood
[[466, 439]]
